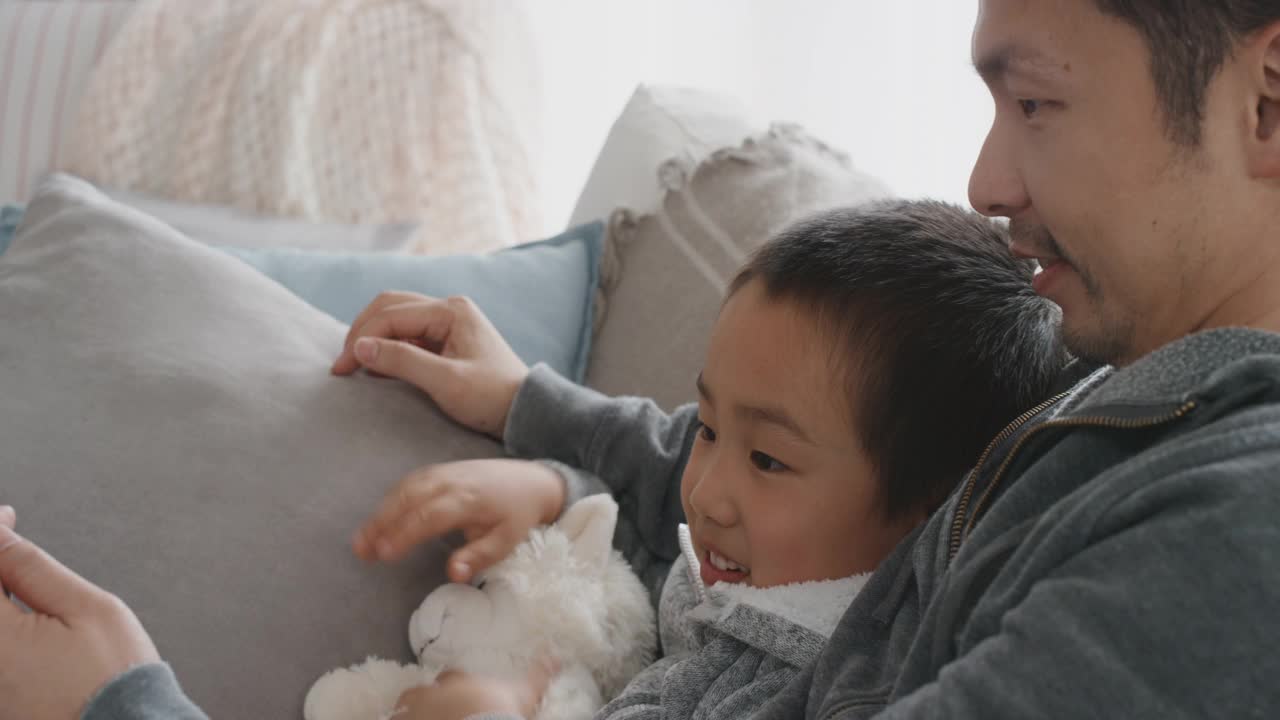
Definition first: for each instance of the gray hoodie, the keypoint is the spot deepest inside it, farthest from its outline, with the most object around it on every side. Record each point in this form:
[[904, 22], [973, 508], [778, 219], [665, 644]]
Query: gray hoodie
[[1124, 560], [728, 648]]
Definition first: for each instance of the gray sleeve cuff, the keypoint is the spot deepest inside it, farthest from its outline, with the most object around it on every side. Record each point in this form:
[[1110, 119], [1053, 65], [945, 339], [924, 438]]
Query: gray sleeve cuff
[[577, 483], [627, 446], [146, 692], [552, 417]]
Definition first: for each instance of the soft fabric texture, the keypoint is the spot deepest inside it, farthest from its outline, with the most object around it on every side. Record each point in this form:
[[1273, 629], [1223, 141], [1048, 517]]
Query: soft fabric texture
[[146, 692], [1131, 550], [47, 50], [223, 225], [815, 605], [659, 122], [543, 297], [423, 111], [219, 225], [667, 271], [563, 593], [172, 431], [729, 648], [10, 218]]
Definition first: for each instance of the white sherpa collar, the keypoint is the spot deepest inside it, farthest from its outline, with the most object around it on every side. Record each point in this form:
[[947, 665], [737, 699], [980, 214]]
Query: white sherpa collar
[[817, 605]]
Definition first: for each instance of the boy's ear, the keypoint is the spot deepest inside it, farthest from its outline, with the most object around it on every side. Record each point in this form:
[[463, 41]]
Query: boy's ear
[[589, 525]]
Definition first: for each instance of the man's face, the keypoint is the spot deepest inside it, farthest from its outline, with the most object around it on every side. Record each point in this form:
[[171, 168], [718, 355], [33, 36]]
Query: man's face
[[1139, 237]]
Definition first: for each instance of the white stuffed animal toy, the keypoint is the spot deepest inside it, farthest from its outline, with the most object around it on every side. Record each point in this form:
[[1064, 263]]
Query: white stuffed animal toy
[[563, 592]]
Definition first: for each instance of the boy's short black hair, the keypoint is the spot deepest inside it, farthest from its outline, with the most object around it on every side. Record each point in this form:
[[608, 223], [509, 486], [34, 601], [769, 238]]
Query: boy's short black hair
[[938, 333]]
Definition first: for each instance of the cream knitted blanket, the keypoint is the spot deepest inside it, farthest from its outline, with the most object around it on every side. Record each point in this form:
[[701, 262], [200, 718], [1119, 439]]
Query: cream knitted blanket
[[333, 110]]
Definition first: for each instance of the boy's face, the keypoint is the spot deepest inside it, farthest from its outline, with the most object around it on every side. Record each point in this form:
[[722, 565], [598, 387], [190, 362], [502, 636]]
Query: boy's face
[[778, 488]]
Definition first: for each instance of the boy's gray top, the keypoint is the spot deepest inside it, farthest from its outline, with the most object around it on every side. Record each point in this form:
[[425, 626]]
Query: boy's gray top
[[728, 649], [1125, 561]]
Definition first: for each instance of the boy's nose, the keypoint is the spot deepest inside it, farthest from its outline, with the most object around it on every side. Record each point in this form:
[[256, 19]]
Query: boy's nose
[[712, 495]]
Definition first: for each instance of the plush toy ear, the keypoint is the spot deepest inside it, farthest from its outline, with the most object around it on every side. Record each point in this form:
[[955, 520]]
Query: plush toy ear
[[589, 524]]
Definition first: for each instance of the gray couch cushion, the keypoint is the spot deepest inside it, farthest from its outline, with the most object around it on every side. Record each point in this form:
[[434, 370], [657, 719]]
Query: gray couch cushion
[[171, 431]]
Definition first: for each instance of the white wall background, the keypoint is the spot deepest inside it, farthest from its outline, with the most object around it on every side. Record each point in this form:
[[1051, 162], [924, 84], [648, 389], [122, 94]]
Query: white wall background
[[888, 81]]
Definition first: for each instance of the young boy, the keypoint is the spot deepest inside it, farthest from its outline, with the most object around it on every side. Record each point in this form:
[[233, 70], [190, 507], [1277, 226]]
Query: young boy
[[860, 363]]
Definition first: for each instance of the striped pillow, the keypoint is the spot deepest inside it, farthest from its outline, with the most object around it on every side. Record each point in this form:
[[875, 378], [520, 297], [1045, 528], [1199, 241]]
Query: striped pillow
[[47, 50]]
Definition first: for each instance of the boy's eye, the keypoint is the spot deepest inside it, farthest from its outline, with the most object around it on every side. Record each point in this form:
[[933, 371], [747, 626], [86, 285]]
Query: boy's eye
[[1029, 107], [766, 463], [705, 432]]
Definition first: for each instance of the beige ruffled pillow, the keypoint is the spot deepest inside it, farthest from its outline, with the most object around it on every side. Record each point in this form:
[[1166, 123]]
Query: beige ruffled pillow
[[666, 271]]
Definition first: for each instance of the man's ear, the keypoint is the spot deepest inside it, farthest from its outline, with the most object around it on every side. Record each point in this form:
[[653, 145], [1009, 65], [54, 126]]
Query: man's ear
[[1263, 53]]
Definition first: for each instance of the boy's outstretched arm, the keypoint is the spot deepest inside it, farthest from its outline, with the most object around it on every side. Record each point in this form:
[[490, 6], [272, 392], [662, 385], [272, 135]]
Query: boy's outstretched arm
[[627, 446]]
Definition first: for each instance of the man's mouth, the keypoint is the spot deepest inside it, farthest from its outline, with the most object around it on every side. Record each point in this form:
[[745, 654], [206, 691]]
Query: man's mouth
[[1043, 259], [1049, 276], [1046, 262]]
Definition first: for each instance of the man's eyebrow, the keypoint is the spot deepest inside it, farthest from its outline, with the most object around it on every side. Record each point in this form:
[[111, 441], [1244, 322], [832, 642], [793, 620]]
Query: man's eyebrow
[[779, 418], [1014, 59], [703, 390]]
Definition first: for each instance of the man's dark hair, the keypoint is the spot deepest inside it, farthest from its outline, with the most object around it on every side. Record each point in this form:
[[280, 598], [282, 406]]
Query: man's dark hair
[[936, 330], [1189, 41]]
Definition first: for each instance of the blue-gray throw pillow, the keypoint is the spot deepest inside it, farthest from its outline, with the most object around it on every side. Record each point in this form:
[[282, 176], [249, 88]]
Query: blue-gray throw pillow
[[10, 216], [540, 295]]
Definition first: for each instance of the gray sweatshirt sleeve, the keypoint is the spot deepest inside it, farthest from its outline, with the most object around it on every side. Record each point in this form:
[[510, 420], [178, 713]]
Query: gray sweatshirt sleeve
[[1167, 608], [625, 446], [146, 692]]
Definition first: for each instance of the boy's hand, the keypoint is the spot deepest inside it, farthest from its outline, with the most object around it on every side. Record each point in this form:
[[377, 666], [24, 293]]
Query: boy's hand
[[495, 503], [455, 695], [448, 348]]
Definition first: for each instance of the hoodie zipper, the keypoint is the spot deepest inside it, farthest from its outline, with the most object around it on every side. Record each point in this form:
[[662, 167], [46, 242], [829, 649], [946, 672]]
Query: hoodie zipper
[[964, 522], [957, 525]]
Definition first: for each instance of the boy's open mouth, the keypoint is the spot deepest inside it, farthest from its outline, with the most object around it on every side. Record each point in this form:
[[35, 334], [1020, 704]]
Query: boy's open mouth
[[717, 568]]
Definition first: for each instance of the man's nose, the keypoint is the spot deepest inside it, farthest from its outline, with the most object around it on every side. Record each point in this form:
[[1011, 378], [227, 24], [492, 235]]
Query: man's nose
[[996, 187]]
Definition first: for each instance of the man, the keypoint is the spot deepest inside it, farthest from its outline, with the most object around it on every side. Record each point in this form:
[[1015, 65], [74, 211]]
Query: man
[[1116, 553]]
